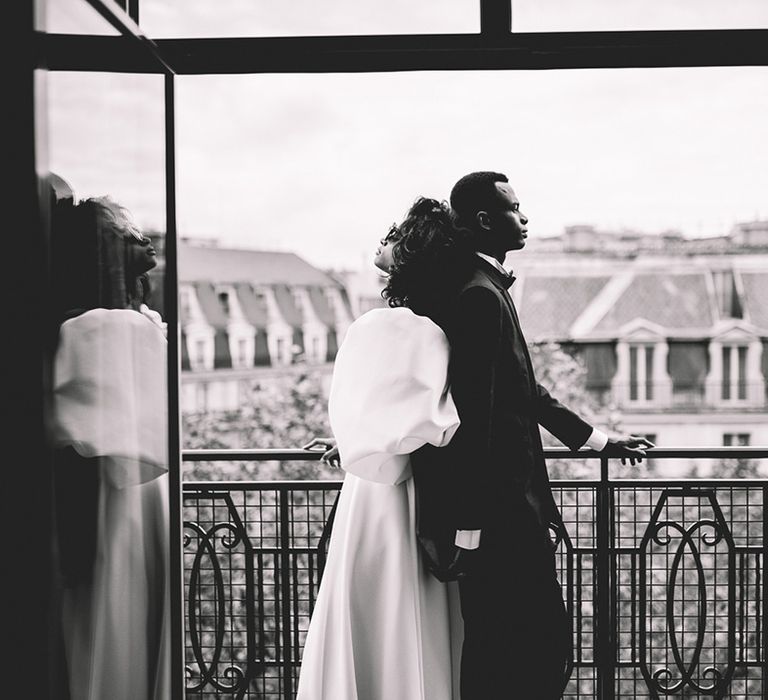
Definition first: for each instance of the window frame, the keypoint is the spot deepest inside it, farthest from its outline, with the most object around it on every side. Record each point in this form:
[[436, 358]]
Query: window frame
[[642, 359], [735, 379], [495, 47]]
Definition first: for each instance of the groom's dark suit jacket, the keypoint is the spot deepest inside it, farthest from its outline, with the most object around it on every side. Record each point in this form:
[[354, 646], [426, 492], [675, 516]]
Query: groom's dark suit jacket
[[494, 467]]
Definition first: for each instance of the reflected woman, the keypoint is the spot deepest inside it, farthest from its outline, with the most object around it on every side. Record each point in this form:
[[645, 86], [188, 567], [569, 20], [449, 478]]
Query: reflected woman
[[109, 431], [383, 627]]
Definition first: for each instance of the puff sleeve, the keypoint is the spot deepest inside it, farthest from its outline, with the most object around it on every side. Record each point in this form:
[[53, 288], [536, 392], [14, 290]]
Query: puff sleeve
[[109, 393], [389, 393]]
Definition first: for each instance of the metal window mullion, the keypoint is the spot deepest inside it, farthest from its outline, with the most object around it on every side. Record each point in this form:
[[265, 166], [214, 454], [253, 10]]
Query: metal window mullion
[[178, 680], [495, 17]]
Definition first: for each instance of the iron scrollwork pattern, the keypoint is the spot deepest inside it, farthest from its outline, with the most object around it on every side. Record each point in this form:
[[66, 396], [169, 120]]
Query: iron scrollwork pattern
[[564, 551], [698, 548], [210, 604], [665, 585], [254, 557]]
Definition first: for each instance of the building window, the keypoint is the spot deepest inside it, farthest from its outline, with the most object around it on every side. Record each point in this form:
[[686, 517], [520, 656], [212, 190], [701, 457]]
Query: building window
[[242, 352], [224, 301], [316, 349], [280, 346], [736, 439], [641, 373], [198, 356], [185, 304], [734, 373], [725, 292]]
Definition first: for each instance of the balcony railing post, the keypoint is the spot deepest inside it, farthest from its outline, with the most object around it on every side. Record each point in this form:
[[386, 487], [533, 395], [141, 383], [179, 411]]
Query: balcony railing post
[[285, 592], [762, 643], [605, 652]]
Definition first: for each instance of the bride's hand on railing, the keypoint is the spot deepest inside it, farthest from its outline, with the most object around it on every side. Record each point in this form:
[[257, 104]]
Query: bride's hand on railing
[[331, 454]]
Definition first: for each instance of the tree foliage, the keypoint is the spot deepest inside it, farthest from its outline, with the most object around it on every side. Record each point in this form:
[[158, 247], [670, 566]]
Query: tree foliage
[[284, 411], [564, 375]]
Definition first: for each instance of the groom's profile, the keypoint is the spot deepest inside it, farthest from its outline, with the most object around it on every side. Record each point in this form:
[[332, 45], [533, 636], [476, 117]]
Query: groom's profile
[[485, 506]]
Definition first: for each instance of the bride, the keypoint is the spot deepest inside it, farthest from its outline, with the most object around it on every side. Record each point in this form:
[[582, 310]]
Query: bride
[[383, 628], [108, 426]]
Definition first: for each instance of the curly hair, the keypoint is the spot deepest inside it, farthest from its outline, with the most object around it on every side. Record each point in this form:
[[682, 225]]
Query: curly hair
[[430, 259], [90, 242]]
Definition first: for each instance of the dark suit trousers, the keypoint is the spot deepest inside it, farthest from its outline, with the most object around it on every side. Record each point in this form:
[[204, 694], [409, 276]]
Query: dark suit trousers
[[517, 635]]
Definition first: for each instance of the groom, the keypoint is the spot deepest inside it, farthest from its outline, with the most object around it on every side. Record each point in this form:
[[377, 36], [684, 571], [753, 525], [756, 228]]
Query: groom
[[485, 505]]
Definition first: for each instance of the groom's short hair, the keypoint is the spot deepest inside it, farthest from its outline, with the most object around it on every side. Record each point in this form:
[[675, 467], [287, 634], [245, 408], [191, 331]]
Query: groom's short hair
[[473, 193]]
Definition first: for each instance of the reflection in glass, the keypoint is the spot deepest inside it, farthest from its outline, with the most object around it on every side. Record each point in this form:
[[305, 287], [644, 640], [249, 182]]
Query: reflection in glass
[[207, 18], [73, 17], [109, 416], [110, 431], [608, 15], [107, 137]]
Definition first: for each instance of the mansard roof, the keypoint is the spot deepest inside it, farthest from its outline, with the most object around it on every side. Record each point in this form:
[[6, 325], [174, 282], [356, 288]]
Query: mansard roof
[[210, 305], [289, 309], [755, 286], [254, 305], [550, 305], [680, 301], [224, 265], [321, 305]]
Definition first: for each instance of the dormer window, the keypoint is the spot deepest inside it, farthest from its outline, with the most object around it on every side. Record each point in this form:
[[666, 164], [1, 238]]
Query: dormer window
[[641, 379], [641, 372], [281, 351], [726, 294], [242, 352], [734, 387], [185, 303], [197, 356], [316, 349], [224, 301], [735, 375]]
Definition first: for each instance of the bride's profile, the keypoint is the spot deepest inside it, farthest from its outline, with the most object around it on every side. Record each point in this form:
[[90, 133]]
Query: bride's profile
[[383, 627]]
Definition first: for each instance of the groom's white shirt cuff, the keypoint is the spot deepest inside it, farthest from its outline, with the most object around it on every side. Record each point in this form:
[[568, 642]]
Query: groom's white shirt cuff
[[470, 539], [597, 441]]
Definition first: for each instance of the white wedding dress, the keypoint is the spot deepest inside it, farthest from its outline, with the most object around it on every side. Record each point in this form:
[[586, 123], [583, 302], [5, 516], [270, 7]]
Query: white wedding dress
[[383, 628], [110, 405]]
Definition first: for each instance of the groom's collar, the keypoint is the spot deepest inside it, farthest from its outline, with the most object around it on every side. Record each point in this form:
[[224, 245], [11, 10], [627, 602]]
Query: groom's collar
[[498, 273]]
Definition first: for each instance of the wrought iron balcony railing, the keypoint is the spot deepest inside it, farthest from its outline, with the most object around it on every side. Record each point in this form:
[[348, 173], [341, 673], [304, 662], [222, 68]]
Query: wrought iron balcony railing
[[665, 579]]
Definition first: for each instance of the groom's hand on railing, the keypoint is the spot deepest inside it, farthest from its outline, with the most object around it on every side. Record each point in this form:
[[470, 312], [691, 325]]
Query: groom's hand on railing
[[331, 453], [627, 448]]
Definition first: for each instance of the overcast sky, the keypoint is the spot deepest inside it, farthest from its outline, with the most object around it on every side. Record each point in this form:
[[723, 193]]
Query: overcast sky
[[322, 164], [278, 17]]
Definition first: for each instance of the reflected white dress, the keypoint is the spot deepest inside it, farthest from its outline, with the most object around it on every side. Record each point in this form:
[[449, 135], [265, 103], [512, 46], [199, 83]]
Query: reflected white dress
[[110, 403], [383, 628]]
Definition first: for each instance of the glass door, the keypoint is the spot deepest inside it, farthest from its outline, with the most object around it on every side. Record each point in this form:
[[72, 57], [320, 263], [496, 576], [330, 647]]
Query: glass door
[[105, 167]]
